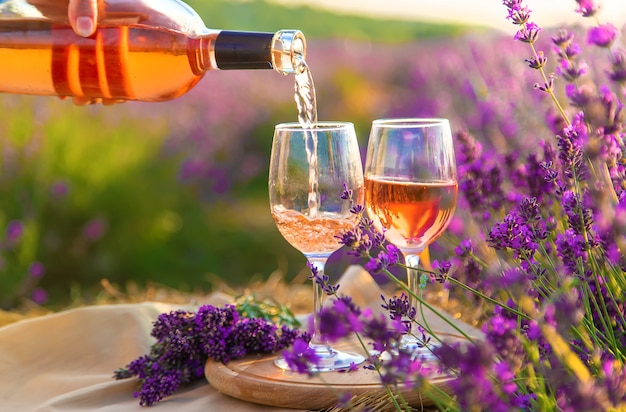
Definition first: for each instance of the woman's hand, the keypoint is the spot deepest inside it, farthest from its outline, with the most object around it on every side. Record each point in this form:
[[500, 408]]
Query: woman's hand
[[83, 16]]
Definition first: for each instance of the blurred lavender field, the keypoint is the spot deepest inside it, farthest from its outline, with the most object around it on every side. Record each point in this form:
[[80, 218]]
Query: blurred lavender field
[[175, 193]]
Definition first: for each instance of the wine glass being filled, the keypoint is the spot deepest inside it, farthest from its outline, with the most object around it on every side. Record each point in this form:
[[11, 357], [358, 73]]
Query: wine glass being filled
[[411, 193], [310, 166]]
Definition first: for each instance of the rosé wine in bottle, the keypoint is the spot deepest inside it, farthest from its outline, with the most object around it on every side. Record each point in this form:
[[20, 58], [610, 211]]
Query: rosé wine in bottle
[[149, 50]]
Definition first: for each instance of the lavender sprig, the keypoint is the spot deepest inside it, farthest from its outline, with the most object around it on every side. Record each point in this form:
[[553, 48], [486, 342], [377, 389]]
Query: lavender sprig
[[528, 32]]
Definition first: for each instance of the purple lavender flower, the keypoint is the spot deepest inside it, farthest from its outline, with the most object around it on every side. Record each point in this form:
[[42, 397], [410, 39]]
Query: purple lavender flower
[[36, 270], [518, 14], [442, 269], [95, 229], [383, 336], [513, 233], [571, 70], [551, 174], [571, 143], [59, 189], [515, 280], [386, 258], [611, 124], [404, 368], [347, 192], [255, 336], [159, 384], [300, 357], [618, 66], [470, 149], [563, 38], [501, 333], [587, 8], [355, 208], [568, 311], [470, 271], [530, 215], [603, 35], [580, 219], [323, 280], [400, 310], [39, 296], [571, 51], [579, 96], [574, 395], [340, 320], [363, 238], [528, 33], [513, 4], [546, 86], [350, 238], [538, 61], [615, 382], [535, 178], [480, 181], [214, 325], [14, 232]]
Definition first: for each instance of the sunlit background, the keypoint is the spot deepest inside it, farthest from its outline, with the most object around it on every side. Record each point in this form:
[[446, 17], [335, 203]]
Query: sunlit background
[[175, 193], [480, 12]]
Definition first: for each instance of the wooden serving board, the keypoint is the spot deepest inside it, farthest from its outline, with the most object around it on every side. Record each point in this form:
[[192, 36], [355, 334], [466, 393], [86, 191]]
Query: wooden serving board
[[258, 380]]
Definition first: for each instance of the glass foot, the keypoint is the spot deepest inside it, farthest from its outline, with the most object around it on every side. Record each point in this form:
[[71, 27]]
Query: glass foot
[[418, 348], [329, 360]]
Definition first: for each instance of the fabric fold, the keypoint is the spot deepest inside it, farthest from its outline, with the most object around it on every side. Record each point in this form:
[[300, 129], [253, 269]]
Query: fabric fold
[[65, 362]]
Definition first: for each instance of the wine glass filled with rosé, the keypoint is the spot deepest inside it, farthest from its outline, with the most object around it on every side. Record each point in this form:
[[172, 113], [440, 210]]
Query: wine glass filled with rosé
[[411, 193], [310, 167]]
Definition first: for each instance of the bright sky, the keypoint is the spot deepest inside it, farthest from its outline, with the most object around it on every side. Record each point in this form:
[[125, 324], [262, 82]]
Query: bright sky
[[486, 12]]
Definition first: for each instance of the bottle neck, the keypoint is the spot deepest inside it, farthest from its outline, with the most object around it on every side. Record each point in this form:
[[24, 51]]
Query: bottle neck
[[236, 50], [240, 50]]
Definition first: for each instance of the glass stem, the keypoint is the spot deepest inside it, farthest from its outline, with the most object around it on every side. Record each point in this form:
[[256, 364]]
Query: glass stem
[[329, 359], [413, 280], [317, 340]]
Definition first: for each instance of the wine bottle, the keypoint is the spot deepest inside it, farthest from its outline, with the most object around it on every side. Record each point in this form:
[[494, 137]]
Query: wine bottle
[[147, 50]]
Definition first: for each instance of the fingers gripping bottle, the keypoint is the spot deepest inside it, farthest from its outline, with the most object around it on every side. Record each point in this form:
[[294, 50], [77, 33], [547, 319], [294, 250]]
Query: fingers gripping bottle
[[148, 50]]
